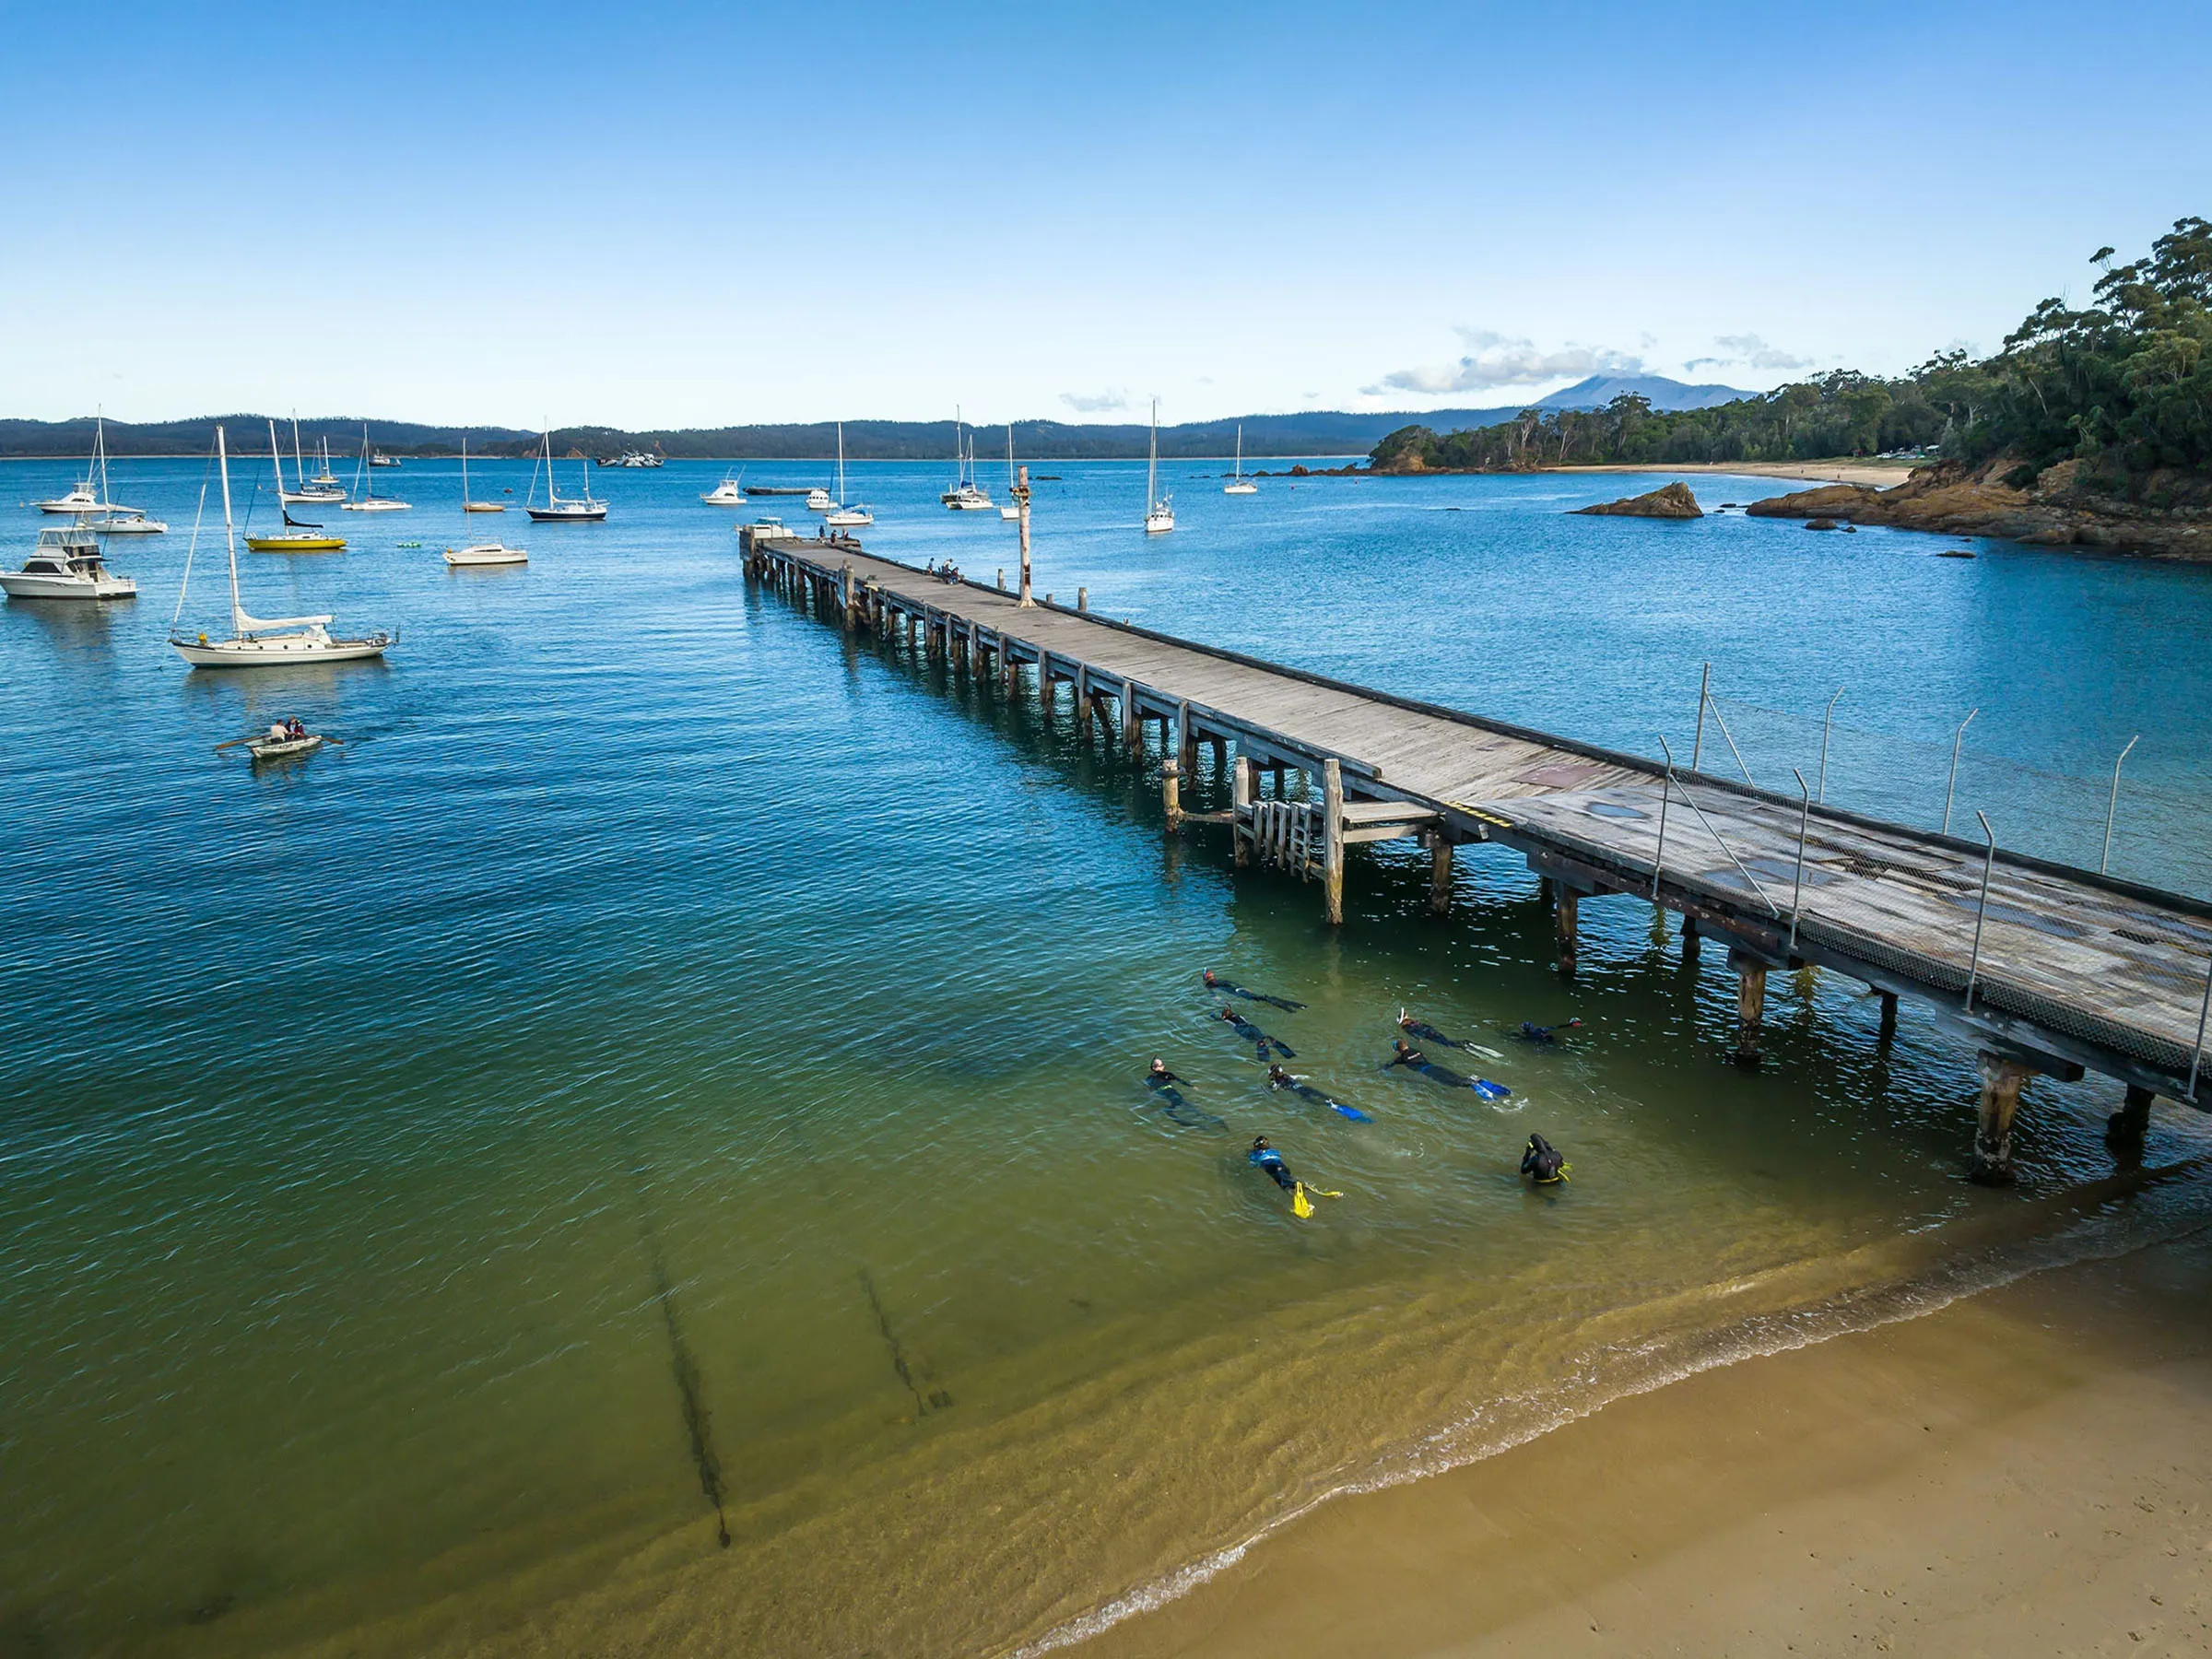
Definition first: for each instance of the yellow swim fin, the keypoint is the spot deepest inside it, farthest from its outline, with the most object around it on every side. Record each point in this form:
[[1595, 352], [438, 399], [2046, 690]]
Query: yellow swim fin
[[1300, 1206]]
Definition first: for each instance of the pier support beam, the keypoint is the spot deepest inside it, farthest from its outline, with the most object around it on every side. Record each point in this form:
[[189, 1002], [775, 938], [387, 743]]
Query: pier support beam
[[1332, 863], [1187, 740], [2001, 1079], [1170, 793], [1750, 1006], [1132, 721], [1690, 939], [2124, 1131], [1439, 874], [844, 589], [1889, 1026], [1566, 914], [1240, 802], [1083, 708]]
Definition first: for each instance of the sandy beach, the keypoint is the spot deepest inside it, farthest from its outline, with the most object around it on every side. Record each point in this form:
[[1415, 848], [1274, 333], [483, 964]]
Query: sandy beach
[[1880, 473], [2024, 1472]]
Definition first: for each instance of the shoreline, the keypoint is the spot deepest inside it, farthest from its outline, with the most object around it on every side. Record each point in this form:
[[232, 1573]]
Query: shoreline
[[1879, 474], [2023, 1468]]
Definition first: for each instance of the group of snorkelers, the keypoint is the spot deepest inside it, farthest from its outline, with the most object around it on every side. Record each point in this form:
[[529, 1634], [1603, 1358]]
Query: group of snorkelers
[[1541, 1162]]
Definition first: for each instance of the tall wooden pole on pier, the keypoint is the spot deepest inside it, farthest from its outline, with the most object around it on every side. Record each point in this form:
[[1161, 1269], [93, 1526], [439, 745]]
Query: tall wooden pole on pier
[[1021, 500], [1332, 864]]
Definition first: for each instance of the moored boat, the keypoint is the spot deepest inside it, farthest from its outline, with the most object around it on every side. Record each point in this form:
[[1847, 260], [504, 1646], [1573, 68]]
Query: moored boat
[[66, 564]]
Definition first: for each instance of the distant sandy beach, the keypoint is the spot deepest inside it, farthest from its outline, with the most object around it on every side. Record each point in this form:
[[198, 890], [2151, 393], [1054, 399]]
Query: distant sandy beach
[[1881, 474], [2029, 1471]]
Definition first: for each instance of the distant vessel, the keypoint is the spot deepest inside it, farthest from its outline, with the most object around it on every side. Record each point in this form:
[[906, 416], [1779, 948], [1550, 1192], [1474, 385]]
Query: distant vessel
[[468, 505], [633, 458], [327, 481], [560, 508], [91, 496], [324, 488], [843, 517], [1009, 513], [1160, 515], [730, 492], [65, 564], [295, 537], [258, 641], [818, 500], [965, 496], [381, 459], [1239, 484], [127, 522], [371, 501]]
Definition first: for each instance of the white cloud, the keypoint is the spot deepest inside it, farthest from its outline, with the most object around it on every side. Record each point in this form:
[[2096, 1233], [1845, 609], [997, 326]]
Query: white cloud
[[1097, 402], [1748, 350], [1494, 359]]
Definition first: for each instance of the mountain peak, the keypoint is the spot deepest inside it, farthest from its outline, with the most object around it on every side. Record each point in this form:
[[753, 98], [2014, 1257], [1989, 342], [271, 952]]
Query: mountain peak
[[1601, 389]]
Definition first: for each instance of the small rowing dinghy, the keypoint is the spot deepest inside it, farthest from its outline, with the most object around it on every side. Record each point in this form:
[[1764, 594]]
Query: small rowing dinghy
[[283, 748]]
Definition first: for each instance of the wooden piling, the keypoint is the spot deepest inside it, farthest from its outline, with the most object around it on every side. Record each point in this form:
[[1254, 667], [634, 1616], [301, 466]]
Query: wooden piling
[[1241, 824], [2126, 1127], [1750, 1006], [1566, 912], [2001, 1079], [1889, 1026], [1691, 941], [1332, 865], [1083, 709], [1186, 742], [1170, 793], [1132, 720], [1440, 874], [844, 583]]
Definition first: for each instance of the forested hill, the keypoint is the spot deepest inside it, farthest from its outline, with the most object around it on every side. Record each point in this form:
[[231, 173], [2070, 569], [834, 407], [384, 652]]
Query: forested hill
[[2121, 389], [1324, 433]]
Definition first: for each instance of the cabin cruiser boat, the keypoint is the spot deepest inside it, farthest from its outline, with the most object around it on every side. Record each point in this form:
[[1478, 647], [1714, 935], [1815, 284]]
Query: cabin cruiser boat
[[65, 564], [730, 492]]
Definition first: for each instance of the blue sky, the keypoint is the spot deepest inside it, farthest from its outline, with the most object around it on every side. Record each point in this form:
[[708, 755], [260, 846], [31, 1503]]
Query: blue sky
[[679, 214]]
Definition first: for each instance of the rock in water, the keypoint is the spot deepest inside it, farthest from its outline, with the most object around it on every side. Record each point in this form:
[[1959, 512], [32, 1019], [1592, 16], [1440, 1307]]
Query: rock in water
[[1822, 523], [1669, 501]]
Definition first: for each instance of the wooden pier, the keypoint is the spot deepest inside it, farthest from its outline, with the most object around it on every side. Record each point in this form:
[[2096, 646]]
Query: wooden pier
[[2043, 967]]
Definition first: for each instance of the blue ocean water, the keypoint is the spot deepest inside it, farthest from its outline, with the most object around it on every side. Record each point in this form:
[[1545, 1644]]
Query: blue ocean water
[[676, 1070]]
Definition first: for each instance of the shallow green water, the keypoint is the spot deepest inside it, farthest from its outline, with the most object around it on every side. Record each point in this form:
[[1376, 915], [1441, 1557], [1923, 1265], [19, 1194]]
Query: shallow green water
[[673, 1054]]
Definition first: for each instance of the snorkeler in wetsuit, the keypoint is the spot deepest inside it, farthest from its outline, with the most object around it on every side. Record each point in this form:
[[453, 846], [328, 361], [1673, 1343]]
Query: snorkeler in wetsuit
[[1213, 982], [1278, 1079], [1161, 1082], [1542, 1163], [1266, 1158], [1536, 1033], [1253, 1034], [1412, 1059]]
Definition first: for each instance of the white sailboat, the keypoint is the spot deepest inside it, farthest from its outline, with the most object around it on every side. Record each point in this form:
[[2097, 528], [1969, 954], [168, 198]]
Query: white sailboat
[[327, 481], [1238, 484], [1009, 513], [370, 501], [965, 495], [320, 489], [90, 496], [845, 518], [259, 641], [468, 505], [65, 564], [560, 508], [730, 492], [1161, 514], [118, 521]]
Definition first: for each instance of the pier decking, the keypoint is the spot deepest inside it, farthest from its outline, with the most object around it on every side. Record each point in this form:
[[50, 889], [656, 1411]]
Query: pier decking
[[2043, 967]]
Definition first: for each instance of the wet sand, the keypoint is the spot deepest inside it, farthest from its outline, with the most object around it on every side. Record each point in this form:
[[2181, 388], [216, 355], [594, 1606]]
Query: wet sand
[[1880, 473], [2026, 1472]]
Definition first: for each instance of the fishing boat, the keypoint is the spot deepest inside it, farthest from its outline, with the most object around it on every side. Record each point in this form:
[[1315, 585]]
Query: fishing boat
[[1238, 484], [65, 564], [730, 492], [91, 495], [468, 505], [1159, 515], [965, 495], [370, 501], [560, 508], [843, 517], [261, 641], [1009, 513]]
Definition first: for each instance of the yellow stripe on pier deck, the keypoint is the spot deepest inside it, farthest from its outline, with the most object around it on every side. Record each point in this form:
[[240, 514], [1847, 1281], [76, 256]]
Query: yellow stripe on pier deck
[[2072, 971]]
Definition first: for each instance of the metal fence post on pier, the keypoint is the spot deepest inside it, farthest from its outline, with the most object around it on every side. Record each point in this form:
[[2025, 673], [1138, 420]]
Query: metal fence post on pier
[[2112, 806], [1952, 788], [1826, 720], [1666, 790], [1973, 962], [1804, 815], [1697, 744]]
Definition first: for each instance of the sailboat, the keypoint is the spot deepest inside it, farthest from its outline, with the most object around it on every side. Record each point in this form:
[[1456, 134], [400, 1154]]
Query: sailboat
[[560, 508], [1238, 484], [468, 505], [730, 492], [371, 501], [298, 536], [259, 641], [325, 483], [845, 518], [1009, 513], [91, 496], [116, 520], [322, 489], [1161, 514], [965, 496]]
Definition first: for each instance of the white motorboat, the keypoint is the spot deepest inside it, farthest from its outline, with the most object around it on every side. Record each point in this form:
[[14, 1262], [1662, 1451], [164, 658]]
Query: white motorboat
[[730, 492], [560, 508], [487, 553], [468, 505], [1238, 484], [261, 641], [129, 521], [842, 517], [1159, 515], [65, 564], [768, 529], [818, 501], [91, 496], [381, 459], [370, 501], [965, 495]]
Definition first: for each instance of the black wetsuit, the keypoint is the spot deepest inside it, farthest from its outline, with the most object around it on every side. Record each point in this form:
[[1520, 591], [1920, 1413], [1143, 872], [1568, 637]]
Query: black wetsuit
[[1178, 1110], [1542, 1163], [1279, 1079], [1536, 1033], [1429, 1033], [1253, 1034], [1213, 982], [1269, 1159], [1414, 1060]]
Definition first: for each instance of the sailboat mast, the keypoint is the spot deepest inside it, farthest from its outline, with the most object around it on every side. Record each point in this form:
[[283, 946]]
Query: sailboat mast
[[465, 471], [1152, 462], [1239, 452], [222, 458], [99, 448], [276, 461], [361, 470], [841, 464], [299, 466]]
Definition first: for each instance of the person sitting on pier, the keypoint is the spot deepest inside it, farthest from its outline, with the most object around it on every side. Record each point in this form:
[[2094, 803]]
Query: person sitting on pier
[[1536, 1033], [1542, 1163]]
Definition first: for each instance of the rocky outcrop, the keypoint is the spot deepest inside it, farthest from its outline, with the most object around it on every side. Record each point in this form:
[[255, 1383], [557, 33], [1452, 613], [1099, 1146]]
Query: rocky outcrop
[[2054, 510], [1669, 501]]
